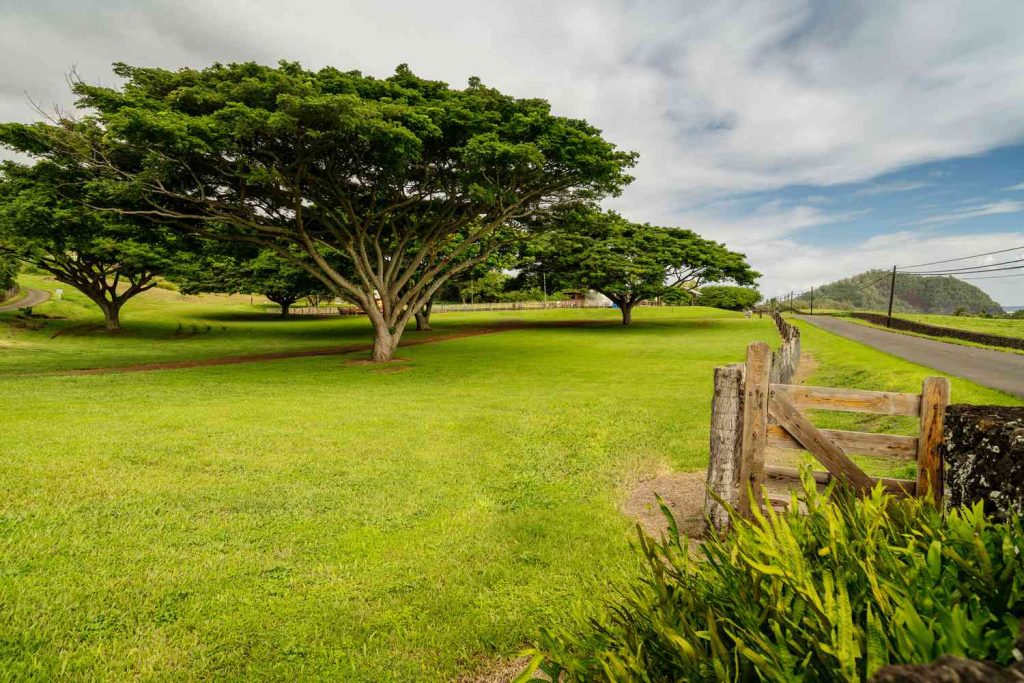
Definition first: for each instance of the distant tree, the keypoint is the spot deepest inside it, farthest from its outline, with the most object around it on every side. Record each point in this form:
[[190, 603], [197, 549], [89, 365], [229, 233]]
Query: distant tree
[[728, 297], [46, 221], [247, 272], [632, 262], [409, 180], [679, 296]]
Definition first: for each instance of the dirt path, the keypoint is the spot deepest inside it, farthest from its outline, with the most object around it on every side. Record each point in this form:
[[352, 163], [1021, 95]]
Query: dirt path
[[311, 353], [994, 369], [33, 297]]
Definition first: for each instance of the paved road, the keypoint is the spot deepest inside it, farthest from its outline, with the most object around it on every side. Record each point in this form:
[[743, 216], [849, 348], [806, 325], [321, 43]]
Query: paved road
[[33, 297], [996, 369]]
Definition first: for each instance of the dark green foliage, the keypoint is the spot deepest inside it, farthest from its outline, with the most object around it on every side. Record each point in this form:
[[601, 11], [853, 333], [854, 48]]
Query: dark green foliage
[[8, 271], [828, 596], [729, 298], [914, 294]]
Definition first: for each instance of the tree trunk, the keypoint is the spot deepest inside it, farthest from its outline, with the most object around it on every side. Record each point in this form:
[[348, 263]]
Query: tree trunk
[[111, 316], [285, 308], [384, 344], [627, 312], [423, 318]]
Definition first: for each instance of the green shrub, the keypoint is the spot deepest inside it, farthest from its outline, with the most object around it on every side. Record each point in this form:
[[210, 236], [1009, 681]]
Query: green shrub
[[728, 297], [828, 596]]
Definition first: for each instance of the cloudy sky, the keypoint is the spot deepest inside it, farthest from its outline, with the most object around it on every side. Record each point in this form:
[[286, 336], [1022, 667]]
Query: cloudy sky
[[821, 138]]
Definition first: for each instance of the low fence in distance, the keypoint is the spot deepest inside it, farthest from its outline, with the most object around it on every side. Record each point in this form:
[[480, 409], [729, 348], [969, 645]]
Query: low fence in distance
[[515, 306], [348, 309], [937, 331], [785, 359]]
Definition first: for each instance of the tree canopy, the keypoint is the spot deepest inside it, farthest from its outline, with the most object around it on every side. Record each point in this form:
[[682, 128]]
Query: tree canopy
[[408, 179], [632, 262], [46, 220]]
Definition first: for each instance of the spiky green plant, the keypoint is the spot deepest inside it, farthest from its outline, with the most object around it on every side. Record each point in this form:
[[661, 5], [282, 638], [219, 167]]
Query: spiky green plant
[[829, 594]]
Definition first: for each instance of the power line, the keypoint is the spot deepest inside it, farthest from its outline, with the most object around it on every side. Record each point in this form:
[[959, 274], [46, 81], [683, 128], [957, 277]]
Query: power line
[[971, 271], [962, 258], [862, 288], [992, 277], [954, 270]]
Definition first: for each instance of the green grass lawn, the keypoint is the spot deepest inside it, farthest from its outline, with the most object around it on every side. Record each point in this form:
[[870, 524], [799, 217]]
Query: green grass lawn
[[311, 519], [1003, 327], [314, 519]]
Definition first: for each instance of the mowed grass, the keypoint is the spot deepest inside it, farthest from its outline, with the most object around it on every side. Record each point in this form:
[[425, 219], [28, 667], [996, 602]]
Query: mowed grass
[[315, 519], [312, 519]]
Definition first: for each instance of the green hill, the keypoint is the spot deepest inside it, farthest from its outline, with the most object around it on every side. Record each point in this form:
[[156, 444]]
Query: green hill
[[914, 294]]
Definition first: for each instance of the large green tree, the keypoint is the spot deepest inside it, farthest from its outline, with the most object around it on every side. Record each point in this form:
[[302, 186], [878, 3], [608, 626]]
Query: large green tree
[[632, 262], [409, 180], [46, 219], [247, 271]]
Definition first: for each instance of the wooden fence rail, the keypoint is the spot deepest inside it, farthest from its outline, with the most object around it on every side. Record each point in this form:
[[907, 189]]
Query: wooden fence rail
[[752, 411]]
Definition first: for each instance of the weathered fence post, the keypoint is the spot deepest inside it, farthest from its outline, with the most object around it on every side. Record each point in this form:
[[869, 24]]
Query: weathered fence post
[[726, 442], [934, 399], [755, 423]]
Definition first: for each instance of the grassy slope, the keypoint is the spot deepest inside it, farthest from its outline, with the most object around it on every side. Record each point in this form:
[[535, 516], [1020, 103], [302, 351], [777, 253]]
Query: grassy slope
[[304, 518]]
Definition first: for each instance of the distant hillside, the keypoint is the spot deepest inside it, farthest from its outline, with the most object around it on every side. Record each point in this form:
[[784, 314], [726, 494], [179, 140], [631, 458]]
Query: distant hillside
[[914, 294]]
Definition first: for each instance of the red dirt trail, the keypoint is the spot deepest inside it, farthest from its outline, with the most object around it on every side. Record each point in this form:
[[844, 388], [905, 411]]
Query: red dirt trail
[[310, 353]]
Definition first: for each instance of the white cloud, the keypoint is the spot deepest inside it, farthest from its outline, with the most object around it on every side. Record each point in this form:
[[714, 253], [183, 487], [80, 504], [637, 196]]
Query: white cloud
[[1018, 186], [966, 213], [720, 98], [891, 188]]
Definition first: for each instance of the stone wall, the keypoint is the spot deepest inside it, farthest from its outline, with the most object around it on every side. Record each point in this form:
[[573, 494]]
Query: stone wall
[[936, 331], [983, 449]]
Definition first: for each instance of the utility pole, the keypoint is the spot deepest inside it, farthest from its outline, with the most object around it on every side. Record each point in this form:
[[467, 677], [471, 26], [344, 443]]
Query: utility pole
[[892, 293], [544, 277], [812, 300]]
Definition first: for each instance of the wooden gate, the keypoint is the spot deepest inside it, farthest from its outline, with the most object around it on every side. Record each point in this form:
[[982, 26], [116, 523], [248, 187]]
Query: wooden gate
[[772, 416]]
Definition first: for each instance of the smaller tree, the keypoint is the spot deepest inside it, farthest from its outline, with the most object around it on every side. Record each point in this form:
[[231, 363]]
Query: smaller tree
[[632, 262], [46, 220], [729, 298], [246, 272]]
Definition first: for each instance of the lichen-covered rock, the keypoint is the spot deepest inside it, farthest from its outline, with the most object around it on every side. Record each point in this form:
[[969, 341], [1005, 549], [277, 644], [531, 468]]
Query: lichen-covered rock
[[947, 669], [983, 449]]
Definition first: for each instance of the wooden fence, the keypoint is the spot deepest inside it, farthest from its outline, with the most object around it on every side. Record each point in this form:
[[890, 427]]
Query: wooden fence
[[752, 412], [786, 359]]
